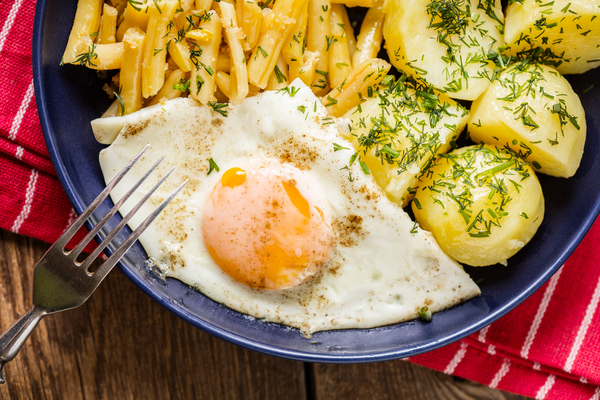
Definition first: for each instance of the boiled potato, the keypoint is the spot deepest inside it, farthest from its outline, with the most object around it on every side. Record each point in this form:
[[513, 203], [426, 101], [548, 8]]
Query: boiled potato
[[567, 30], [444, 42], [482, 204], [399, 131], [533, 110]]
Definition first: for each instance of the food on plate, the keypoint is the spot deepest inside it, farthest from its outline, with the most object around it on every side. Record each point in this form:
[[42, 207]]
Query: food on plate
[[369, 39], [482, 204], [341, 256], [532, 109], [340, 63], [131, 74], [87, 21], [400, 131], [362, 82], [565, 33], [283, 218], [445, 43], [239, 48]]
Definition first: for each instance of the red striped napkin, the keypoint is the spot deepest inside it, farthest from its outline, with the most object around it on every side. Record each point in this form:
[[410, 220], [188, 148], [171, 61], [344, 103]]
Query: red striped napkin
[[547, 348]]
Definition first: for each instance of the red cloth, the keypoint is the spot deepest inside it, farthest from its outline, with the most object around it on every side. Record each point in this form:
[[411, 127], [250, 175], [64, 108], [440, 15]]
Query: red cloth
[[545, 348]]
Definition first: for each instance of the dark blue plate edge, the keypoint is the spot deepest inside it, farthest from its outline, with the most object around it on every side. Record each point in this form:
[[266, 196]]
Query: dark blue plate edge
[[79, 206]]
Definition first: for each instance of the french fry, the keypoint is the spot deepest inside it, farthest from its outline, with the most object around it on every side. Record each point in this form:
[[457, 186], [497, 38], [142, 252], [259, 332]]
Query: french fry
[[131, 70], [224, 83], [265, 55], [340, 64], [357, 87], [108, 25], [136, 15], [234, 37], [185, 5], [360, 3], [267, 21], [100, 56], [182, 20], [87, 21], [203, 5], [317, 39], [293, 49], [168, 91], [202, 85], [349, 33], [216, 5], [179, 50], [279, 77], [371, 34], [155, 52], [306, 72], [250, 22]]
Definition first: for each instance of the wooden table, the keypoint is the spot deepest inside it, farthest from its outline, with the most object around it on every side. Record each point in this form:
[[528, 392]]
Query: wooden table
[[122, 345]]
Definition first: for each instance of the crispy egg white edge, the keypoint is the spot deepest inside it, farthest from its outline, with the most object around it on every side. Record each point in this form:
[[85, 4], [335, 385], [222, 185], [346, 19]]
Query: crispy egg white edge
[[378, 273]]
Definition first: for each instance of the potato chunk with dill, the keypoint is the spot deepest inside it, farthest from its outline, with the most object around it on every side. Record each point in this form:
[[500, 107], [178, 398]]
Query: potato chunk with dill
[[533, 110], [561, 33], [482, 204], [398, 132], [445, 42]]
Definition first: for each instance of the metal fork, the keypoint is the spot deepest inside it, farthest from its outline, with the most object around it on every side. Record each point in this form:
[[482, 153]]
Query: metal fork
[[60, 281]]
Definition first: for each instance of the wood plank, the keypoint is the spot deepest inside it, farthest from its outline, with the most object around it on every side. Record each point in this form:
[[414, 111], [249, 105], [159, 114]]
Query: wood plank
[[397, 380], [122, 345]]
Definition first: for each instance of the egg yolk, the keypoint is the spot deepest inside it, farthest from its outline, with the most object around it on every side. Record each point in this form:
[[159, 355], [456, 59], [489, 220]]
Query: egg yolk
[[262, 230]]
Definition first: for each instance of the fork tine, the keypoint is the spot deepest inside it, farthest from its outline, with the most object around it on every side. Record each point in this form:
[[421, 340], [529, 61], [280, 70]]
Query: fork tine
[[118, 254], [79, 248], [64, 239], [121, 224]]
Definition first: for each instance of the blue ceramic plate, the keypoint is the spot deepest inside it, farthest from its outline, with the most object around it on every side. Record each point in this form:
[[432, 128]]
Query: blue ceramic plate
[[69, 97]]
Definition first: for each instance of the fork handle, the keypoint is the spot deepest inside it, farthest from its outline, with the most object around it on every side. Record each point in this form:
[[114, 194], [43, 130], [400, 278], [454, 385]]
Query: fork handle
[[13, 339]]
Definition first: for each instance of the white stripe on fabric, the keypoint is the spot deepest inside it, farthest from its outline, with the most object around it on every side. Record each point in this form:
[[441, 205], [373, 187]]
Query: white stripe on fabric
[[596, 395], [28, 201], [583, 380], [537, 366], [72, 218], [19, 152], [500, 374], [460, 354], [9, 22], [16, 124], [491, 349], [483, 334], [540, 314], [543, 392], [583, 328]]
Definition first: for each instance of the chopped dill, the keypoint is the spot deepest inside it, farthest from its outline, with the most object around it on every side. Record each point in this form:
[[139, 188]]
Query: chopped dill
[[218, 107], [212, 166]]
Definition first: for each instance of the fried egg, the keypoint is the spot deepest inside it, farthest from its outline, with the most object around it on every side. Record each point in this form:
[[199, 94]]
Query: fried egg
[[275, 222]]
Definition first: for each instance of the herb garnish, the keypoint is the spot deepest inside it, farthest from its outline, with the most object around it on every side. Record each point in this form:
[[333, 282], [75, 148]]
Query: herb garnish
[[212, 166], [218, 107], [425, 314], [88, 57], [182, 85]]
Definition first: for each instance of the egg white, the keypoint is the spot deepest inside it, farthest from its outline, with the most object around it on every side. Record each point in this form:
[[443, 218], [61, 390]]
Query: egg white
[[381, 269]]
